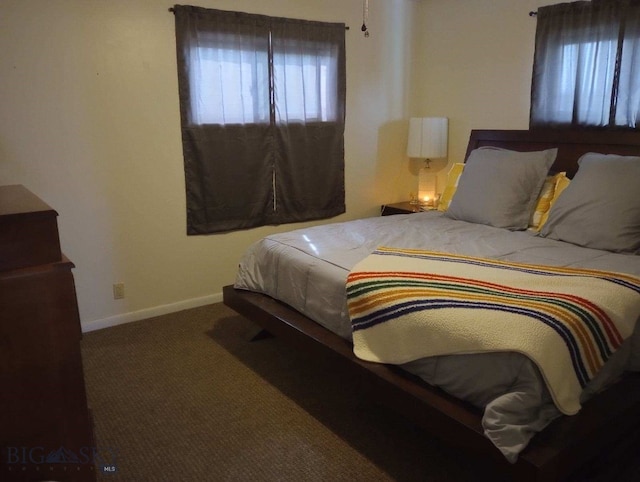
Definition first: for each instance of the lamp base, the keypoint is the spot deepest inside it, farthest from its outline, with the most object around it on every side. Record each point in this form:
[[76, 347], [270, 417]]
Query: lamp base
[[426, 186]]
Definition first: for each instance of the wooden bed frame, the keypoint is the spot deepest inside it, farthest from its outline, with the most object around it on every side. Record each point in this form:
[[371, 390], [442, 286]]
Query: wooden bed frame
[[564, 446]]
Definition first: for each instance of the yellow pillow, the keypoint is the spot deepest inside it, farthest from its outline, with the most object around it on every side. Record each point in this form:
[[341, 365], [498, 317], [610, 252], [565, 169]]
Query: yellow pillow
[[451, 186], [551, 189]]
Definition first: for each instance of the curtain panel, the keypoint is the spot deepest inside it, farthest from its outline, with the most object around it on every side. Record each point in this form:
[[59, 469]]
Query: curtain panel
[[587, 65], [262, 105]]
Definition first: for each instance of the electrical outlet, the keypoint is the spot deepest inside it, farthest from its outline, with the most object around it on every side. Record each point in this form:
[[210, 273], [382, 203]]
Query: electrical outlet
[[118, 291]]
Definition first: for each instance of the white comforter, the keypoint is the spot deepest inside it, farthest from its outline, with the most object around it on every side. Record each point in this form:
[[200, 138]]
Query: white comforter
[[307, 269]]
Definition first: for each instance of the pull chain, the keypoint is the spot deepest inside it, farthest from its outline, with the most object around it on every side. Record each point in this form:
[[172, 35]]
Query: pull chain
[[365, 17]]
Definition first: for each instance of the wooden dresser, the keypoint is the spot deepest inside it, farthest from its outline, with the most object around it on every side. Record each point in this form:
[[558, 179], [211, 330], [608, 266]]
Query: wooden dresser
[[45, 427]]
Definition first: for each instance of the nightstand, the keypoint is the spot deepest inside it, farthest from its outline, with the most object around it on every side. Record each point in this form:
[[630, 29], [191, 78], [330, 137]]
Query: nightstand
[[399, 208]]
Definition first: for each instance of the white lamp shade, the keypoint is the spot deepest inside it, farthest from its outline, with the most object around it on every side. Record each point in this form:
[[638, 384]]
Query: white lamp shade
[[427, 137]]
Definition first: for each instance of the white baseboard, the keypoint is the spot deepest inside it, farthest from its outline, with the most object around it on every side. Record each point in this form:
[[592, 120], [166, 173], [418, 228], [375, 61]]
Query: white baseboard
[[150, 312]]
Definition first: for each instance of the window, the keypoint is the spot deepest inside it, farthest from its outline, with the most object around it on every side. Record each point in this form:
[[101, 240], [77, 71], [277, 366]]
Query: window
[[262, 108], [587, 65], [231, 85]]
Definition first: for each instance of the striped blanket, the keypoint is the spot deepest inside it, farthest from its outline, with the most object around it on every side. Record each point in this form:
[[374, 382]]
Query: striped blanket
[[407, 304]]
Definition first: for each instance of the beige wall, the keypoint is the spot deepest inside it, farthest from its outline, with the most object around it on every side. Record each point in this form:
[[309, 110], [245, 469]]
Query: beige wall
[[89, 122], [473, 65]]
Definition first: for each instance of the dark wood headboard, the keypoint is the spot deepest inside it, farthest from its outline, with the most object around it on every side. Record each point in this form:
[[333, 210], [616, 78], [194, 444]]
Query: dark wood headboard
[[571, 144]]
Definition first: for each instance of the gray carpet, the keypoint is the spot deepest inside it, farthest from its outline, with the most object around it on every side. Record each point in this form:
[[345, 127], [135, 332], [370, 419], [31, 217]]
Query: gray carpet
[[187, 397]]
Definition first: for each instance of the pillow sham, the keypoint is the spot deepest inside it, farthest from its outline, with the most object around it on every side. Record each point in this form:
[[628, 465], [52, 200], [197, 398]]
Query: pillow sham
[[450, 187], [561, 184], [499, 187], [548, 195], [601, 207]]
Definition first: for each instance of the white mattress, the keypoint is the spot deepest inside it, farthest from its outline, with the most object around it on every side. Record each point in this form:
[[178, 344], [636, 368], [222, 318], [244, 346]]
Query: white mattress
[[307, 269]]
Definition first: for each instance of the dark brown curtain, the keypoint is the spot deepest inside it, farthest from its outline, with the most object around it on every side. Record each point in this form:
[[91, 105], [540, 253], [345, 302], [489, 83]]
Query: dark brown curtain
[[262, 112], [587, 65]]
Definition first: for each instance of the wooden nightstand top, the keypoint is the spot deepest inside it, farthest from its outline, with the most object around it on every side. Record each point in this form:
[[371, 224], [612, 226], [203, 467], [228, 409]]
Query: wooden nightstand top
[[399, 208]]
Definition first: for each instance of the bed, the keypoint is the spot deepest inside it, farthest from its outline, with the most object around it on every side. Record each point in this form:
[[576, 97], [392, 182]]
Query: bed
[[293, 285]]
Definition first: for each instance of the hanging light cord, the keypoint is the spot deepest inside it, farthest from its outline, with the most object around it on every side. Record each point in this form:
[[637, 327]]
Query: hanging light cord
[[365, 17]]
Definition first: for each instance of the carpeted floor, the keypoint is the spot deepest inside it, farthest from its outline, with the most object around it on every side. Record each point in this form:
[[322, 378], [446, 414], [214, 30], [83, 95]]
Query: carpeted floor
[[187, 397]]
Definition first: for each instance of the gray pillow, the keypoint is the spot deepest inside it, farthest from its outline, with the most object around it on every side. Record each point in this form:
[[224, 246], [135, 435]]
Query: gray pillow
[[500, 187], [601, 206]]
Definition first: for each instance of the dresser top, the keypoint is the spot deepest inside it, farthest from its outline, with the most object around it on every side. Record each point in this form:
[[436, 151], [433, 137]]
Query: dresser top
[[17, 199]]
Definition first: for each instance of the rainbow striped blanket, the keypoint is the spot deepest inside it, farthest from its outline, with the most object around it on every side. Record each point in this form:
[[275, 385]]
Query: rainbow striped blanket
[[407, 304]]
